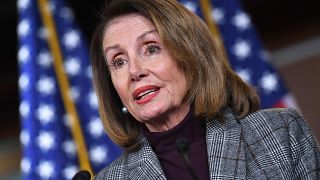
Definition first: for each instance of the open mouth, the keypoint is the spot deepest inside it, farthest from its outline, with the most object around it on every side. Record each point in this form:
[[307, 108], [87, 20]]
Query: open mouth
[[145, 93]]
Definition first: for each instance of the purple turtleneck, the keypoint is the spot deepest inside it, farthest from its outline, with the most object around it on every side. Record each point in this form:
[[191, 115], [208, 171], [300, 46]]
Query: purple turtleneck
[[163, 144]]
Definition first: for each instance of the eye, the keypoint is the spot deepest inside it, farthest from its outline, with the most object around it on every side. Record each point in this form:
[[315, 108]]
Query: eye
[[153, 49], [118, 62]]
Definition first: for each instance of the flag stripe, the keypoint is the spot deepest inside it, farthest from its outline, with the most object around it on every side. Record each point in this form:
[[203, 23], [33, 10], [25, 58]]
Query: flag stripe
[[64, 85]]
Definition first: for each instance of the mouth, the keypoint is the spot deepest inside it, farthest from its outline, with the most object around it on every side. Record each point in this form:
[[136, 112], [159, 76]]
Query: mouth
[[145, 92]]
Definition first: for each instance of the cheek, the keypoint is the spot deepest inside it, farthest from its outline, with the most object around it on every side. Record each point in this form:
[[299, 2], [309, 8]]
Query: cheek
[[120, 88]]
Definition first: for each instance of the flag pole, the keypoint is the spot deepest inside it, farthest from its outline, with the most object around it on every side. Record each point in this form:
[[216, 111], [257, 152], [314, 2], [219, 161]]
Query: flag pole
[[206, 9], [64, 85]]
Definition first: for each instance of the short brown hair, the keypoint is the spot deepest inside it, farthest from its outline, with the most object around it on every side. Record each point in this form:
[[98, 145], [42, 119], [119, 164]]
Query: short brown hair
[[212, 85]]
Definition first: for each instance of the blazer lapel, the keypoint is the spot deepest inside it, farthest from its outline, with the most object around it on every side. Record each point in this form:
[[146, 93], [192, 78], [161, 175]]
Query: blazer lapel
[[144, 164], [225, 149]]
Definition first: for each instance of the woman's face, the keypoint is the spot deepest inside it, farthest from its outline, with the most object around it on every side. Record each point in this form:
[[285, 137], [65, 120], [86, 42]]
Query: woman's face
[[146, 78]]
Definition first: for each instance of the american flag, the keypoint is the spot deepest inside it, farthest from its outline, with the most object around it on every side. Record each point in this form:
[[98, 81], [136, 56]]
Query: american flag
[[244, 50], [49, 149]]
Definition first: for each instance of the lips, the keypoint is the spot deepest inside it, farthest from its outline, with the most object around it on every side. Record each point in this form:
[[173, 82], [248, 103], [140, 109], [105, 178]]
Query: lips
[[144, 94]]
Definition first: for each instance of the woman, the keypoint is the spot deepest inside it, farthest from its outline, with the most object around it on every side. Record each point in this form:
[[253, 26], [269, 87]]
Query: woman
[[159, 77]]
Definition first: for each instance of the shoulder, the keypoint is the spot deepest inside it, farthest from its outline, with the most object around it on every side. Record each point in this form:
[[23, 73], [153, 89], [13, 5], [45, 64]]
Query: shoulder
[[279, 124], [274, 120], [115, 170]]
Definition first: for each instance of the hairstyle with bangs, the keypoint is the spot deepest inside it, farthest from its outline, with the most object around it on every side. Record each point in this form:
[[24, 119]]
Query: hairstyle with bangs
[[211, 84]]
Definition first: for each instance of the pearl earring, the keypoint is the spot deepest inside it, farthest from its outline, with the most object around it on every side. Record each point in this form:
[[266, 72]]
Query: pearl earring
[[124, 110]]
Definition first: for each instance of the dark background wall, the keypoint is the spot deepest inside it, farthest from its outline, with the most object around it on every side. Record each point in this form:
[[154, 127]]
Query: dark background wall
[[289, 29]]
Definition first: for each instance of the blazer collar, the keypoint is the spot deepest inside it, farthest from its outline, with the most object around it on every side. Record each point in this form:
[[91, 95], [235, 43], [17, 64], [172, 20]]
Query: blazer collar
[[144, 164], [225, 148]]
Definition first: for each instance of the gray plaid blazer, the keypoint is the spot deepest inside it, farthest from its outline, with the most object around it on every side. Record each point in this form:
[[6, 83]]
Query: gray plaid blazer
[[268, 144]]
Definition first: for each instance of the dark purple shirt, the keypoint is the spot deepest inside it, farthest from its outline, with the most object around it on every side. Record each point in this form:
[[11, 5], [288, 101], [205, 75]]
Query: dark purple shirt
[[172, 163]]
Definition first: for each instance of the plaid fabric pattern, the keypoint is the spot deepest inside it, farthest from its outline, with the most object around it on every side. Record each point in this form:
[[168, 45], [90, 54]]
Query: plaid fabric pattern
[[268, 144]]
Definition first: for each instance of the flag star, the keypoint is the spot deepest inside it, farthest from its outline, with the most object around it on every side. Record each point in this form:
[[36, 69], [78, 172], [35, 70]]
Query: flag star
[[245, 75], [46, 85], [98, 154], [269, 82], [89, 72], [45, 113], [72, 66], [23, 4], [23, 54], [24, 109], [23, 28], [42, 33], [95, 127], [71, 39], [218, 15], [74, 93], [93, 100], [69, 147], [66, 120], [264, 55], [25, 165], [45, 140], [66, 13], [44, 59], [24, 137], [51, 6], [23, 81], [242, 49], [241, 20], [45, 169], [191, 6], [70, 171]]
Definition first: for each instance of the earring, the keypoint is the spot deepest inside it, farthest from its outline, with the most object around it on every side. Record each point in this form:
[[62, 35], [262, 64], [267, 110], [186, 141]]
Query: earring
[[124, 110]]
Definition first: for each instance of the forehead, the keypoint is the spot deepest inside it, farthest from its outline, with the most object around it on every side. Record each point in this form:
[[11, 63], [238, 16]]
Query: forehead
[[127, 24]]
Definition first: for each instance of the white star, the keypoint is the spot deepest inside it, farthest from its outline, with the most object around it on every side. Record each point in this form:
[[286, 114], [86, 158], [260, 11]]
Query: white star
[[74, 93], [24, 137], [46, 85], [244, 74], [45, 140], [23, 28], [42, 32], [44, 59], [69, 147], [25, 165], [269, 82], [242, 49], [23, 54], [72, 66], [70, 171], [93, 100], [218, 15], [23, 4], [241, 21], [66, 13], [192, 6], [95, 127], [98, 154], [24, 108], [89, 72], [45, 169], [45, 113], [67, 120], [23, 81], [71, 39]]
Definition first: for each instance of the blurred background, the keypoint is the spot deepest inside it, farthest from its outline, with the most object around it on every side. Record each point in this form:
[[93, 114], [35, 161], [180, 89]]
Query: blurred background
[[289, 30]]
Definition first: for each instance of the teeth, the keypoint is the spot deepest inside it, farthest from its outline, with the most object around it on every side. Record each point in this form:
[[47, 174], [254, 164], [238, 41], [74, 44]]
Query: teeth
[[146, 92]]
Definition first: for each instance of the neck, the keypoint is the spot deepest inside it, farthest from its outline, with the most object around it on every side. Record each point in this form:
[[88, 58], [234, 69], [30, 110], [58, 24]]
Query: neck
[[170, 120]]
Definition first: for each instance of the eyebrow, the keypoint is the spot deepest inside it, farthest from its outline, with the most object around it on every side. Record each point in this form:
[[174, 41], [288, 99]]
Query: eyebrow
[[141, 37]]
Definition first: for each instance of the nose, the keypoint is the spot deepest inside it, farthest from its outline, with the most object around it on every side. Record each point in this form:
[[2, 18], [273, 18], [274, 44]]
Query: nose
[[136, 70]]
